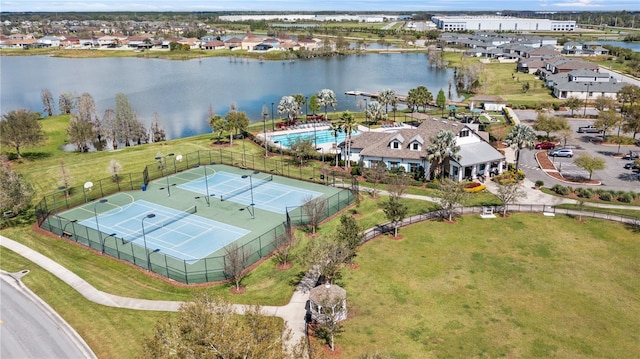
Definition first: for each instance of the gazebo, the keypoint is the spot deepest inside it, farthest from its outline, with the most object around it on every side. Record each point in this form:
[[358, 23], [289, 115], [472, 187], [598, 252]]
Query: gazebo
[[328, 302]]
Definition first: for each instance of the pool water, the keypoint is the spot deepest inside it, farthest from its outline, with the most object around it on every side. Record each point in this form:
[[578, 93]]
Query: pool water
[[321, 137]]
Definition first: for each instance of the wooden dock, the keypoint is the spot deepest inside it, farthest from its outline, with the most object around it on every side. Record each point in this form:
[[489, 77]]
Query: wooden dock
[[374, 95]]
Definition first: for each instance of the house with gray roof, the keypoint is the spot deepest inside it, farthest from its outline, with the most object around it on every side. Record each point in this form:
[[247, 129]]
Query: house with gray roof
[[407, 148], [585, 84]]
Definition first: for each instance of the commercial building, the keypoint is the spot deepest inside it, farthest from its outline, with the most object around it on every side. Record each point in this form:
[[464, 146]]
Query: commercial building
[[500, 23]]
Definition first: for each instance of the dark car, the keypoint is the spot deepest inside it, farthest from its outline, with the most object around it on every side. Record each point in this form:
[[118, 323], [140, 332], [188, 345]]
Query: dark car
[[545, 146], [631, 166]]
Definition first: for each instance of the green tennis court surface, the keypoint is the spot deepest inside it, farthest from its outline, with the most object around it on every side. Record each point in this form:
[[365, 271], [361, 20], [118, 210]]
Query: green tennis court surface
[[173, 231]]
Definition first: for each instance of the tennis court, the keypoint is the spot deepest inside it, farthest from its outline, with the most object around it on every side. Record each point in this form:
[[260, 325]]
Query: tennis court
[[191, 216], [255, 188], [180, 234]]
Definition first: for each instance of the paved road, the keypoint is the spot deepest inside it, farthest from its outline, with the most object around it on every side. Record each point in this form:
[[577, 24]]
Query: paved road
[[32, 329]]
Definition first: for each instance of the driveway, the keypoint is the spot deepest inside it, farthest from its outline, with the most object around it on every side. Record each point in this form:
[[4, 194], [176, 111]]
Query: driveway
[[614, 176]]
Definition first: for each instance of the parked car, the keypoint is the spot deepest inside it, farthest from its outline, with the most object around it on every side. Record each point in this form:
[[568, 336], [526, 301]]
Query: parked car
[[631, 156], [545, 146], [563, 152], [589, 129], [631, 166]]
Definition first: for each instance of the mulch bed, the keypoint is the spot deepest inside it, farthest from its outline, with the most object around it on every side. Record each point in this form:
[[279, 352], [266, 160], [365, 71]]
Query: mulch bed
[[550, 169]]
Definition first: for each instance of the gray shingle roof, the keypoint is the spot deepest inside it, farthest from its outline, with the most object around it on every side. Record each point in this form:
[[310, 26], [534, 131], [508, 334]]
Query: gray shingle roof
[[478, 152], [378, 144]]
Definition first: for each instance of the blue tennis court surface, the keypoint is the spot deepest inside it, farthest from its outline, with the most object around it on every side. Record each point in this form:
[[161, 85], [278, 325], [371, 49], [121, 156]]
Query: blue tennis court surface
[[267, 195], [175, 233]]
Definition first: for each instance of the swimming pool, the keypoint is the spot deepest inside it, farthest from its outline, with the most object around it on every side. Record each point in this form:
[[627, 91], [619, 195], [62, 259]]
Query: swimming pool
[[321, 137]]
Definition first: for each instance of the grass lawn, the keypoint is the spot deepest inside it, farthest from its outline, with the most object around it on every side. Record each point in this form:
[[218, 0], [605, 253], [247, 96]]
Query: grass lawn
[[496, 288]]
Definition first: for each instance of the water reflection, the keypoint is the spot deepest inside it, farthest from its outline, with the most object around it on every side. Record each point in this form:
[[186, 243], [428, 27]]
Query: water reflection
[[181, 92]]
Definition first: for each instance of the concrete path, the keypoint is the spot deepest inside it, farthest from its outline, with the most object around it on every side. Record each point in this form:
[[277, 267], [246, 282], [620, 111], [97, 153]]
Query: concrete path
[[292, 313]]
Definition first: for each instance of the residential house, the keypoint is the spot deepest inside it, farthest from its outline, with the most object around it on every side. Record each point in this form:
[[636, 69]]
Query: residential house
[[50, 41], [233, 43], [214, 45], [585, 84], [407, 148], [250, 41]]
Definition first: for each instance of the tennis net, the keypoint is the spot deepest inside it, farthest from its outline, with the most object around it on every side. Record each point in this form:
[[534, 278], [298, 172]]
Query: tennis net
[[255, 182], [161, 221]]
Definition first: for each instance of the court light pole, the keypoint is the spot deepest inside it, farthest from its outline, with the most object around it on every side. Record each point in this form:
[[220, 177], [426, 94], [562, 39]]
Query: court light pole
[[55, 205], [162, 159], [206, 183], [251, 190], [281, 158], [71, 222], [95, 213], [144, 239]]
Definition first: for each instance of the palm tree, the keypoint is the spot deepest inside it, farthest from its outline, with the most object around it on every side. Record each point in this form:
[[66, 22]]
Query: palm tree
[[374, 112], [335, 128], [348, 125], [520, 136], [289, 106], [443, 146], [387, 97], [326, 98], [218, 125]]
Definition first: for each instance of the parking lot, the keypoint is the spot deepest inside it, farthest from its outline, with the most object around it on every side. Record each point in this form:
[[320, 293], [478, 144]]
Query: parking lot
[[614, 176]]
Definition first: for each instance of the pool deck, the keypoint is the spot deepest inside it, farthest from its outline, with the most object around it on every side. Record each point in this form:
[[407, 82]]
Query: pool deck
[[327, 147]]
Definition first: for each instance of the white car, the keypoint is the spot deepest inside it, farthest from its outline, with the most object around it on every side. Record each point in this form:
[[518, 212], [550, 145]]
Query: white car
[[563, 152]]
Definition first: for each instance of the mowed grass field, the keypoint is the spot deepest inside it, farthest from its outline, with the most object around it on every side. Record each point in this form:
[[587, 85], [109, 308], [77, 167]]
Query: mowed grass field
[[527, 286]]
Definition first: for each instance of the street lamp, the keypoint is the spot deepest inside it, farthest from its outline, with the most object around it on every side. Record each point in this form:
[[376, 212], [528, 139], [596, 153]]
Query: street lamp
[[366, 116], [265, 116], [273, 125], [586, 98], [281, 157], [164, 159], [251, 190], [95, 213], [55, 205], [144, 239], [321, 149]]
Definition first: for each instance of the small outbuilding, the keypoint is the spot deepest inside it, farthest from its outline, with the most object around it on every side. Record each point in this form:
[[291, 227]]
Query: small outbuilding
[[488, 102], [328, 302]]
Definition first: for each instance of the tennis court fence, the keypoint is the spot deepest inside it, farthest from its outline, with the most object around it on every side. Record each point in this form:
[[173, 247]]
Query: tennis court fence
[[208, 269]]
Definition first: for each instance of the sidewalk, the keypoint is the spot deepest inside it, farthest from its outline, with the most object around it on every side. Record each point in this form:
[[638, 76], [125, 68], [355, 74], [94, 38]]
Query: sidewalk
[[293, 313]]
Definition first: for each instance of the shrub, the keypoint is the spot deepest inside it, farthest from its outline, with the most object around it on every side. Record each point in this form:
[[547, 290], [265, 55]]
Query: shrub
[[626, 198], [560, 189], [605, 196], [435, 184], [584, 192], [539, 183]]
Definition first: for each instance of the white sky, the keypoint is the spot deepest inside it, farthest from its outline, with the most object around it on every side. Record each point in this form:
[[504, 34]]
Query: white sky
[[316, 5]]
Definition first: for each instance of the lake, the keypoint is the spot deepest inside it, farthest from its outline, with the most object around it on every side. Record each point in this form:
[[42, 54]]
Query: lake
[[181, 92]]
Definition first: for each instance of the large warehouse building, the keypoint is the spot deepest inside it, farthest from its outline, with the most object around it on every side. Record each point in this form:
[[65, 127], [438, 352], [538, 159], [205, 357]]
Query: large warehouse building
[[500, 23]]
